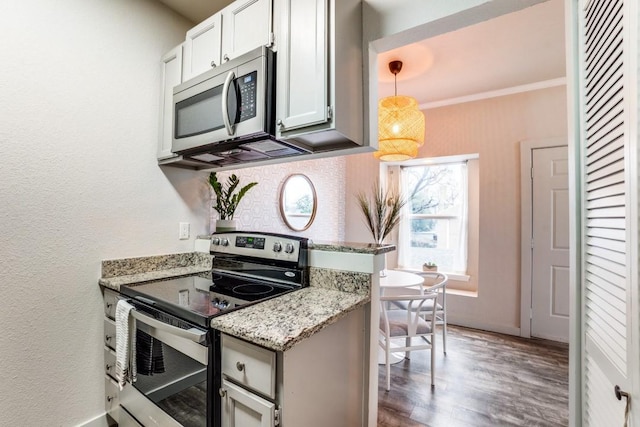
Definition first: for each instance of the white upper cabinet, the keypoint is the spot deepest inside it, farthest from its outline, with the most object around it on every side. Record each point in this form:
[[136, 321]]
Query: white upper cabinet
[[238, 28], [171, 76], [302, 64], [246, 25], [319, 83], [202, 46]]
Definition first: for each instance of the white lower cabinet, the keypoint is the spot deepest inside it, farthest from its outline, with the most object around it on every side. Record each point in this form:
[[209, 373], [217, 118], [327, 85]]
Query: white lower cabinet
[[242, 408], [319, 382]]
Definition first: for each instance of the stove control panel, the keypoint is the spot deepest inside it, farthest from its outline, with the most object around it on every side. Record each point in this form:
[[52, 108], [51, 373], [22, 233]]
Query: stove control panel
[[276, 247]]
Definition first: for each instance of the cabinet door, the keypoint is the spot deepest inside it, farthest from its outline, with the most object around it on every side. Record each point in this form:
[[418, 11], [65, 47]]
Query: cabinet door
[[244, 409], [171, 76], [202, 46], [302, 98], [246, 25]]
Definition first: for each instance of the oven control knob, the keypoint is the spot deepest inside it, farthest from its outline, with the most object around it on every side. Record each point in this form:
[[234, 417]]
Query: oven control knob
[[277, 247], [216, 241], [288, 248], [215, 302], [223, 304], [225, 242]]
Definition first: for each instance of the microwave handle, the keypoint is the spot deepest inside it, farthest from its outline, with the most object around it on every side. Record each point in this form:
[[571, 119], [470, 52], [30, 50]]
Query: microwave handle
[[193, 334], [225, 109]]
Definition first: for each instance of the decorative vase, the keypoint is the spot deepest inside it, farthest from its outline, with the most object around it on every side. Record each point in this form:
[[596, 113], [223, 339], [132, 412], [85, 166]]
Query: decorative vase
[[223, 225]]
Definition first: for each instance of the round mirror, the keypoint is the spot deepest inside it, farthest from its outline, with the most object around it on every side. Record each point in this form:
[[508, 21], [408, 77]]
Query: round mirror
[[298, 202]]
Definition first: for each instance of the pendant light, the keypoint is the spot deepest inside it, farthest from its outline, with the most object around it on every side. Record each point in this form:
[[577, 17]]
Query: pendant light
[[400, 124]]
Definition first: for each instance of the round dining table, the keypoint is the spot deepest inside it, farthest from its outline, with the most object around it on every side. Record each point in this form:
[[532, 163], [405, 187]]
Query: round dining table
[[392, 283], [399, 279]]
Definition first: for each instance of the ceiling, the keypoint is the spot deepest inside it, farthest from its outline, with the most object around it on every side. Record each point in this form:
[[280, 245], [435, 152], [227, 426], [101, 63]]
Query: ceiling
[[196, 10], [516, 49]]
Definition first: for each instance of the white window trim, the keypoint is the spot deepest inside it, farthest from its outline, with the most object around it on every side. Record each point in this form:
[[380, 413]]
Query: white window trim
[[427, 161]]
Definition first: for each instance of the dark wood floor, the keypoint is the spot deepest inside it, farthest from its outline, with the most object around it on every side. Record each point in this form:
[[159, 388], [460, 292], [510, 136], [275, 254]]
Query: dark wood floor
[[486, 379]]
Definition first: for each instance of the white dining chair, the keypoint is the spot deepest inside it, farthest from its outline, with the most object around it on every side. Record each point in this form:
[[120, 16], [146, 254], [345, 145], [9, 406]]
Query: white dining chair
[[434, 282], [412, 325]]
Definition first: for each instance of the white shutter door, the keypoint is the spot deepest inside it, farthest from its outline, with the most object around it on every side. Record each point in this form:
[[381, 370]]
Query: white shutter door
[[606, 236]]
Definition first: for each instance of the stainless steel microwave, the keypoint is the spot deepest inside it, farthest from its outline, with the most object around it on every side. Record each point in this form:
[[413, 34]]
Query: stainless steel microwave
[[227, 115]]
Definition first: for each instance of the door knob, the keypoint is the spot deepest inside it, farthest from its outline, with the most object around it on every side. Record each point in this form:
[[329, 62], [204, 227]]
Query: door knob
[[627, 409]]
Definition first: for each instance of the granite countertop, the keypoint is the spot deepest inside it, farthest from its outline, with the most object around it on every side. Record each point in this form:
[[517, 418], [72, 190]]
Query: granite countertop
[[353, 247], [116, 273], [278, 323], [362, 248], [282, 322]]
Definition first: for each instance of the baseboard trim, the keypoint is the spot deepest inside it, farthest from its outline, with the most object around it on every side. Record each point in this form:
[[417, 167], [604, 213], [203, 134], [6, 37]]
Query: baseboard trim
[[475, 324], [101, 420]]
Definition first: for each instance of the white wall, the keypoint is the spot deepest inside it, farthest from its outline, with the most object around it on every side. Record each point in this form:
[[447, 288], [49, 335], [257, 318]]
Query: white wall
[[493, 128], [80, 83]]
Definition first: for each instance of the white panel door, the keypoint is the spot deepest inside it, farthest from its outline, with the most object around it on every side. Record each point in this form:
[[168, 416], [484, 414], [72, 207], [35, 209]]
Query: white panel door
[[550, 253]]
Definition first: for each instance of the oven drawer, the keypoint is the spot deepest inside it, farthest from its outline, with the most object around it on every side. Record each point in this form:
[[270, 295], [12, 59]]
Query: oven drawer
[[110, 299], [249, 365], [110, 333], [110, 362]]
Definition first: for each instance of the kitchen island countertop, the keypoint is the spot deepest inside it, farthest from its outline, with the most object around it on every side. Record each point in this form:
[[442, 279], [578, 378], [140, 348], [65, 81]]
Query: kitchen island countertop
[[280, 323]]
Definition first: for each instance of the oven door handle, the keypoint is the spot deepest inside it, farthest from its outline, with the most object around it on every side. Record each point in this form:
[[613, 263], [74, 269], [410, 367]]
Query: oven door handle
[[193, 334]]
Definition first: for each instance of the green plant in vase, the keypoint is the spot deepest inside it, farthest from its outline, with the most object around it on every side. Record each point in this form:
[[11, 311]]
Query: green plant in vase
[[227, 199]]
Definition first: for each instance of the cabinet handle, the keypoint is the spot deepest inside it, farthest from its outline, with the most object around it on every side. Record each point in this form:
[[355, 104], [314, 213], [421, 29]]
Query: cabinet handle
[[108, 337], [280, 124], [108, 367], [110, 398], [213, 64], [109, 305], [222, 392], [240, 366], [226, 57]]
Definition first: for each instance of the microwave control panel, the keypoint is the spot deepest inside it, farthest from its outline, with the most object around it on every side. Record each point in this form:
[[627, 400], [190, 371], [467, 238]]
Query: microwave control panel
[[248, 92]]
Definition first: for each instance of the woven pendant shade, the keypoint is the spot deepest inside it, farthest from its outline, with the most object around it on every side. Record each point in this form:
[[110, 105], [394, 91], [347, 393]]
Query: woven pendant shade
[[400, 126]]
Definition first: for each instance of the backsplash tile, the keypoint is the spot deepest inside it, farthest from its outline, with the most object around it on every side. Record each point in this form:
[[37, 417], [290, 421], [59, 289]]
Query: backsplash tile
[[259, 210]]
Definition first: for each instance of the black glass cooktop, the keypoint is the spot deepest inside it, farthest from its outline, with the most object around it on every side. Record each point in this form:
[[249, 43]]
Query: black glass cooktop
[[198, 299], [246, 289]]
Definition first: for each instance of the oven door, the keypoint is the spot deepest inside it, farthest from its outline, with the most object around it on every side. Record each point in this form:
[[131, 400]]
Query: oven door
[[173, 375]]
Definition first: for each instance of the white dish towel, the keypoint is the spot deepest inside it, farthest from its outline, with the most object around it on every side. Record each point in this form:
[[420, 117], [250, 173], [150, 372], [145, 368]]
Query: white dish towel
[[125, 344]]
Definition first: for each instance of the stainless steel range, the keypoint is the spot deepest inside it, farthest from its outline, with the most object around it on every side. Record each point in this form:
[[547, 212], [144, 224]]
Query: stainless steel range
[[178, 354]]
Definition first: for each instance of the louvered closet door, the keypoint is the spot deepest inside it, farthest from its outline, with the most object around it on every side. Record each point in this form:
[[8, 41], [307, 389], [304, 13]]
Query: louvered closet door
[[607, 263]]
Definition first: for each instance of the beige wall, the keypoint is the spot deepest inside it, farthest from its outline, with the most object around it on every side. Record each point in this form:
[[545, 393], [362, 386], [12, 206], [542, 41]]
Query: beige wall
[[493, 128]]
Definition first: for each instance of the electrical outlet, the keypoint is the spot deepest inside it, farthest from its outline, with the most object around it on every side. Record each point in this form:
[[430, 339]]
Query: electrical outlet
[[184, 231]]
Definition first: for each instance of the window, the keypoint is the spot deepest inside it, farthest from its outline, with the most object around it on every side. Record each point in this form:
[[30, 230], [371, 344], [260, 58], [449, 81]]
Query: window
[[434, 221]]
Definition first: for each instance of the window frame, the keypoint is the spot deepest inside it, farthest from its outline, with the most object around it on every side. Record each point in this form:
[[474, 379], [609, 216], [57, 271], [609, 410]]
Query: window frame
[[390, 172]]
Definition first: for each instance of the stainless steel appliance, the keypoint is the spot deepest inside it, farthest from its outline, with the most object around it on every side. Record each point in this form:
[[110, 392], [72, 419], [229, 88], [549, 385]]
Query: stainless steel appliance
[[227, 114], [178, 354]]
